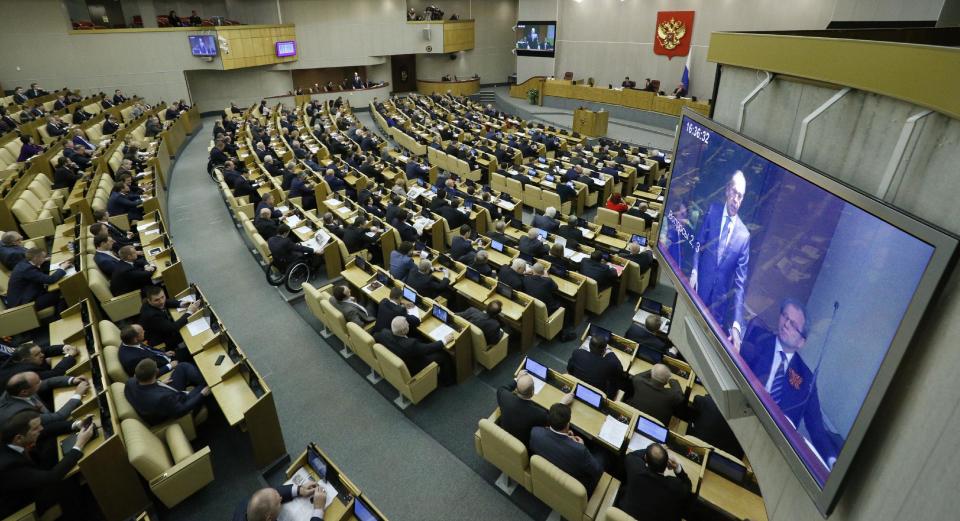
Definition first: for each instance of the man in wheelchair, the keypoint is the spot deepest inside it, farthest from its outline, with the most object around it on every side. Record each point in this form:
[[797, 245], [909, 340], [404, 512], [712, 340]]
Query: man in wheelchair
[[286, 252]]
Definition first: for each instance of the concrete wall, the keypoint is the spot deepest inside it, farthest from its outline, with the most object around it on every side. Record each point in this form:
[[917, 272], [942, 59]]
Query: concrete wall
[[491, 56], [908, 464], [887, 10], [214, 90]]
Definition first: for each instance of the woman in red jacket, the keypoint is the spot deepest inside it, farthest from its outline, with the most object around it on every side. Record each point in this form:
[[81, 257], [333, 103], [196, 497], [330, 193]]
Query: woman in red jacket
[[616, 203]]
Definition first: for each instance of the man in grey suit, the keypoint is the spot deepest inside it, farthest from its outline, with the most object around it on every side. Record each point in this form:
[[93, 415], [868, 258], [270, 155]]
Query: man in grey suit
[[560, 446], [21, 395], [352, 310], [720, 266], [547, 221]]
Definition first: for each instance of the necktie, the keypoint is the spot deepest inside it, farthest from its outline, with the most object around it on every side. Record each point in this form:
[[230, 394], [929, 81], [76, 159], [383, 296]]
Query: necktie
[[776, 389], [725, 239]]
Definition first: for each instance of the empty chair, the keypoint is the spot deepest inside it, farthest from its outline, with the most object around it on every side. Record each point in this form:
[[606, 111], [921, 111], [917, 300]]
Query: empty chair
[[488, 356], [167, 461], [505, 452], [545, 324], [361, 343], [563, 493]]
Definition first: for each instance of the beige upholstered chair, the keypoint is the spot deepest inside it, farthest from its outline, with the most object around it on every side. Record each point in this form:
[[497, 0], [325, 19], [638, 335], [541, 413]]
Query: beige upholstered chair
[[18, 319], [188, 422], [632, 224], [412, 389], [361, 343], [505, 452], [168, 462], [563, 493], [608, 217], [545, 324], [337, 323], [615, 514], [597, 301], [488, 356], [111, 358], [117, 308], [109, 333]]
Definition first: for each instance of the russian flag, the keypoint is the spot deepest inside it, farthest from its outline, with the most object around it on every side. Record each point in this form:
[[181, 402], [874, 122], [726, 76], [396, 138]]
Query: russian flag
[[685, 79]]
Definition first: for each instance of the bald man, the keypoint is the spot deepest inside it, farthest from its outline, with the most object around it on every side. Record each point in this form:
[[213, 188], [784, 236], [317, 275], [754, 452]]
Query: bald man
[[265, 503], [647, 493], [21, 395], [655, 393], [518, 412]]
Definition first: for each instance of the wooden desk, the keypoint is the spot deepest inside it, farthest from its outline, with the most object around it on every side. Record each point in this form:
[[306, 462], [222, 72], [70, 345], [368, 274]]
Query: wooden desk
[[457, 88], [730, 498]]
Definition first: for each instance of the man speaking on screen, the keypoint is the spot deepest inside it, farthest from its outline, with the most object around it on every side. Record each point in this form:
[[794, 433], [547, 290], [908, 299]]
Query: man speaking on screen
[[720, 265], [790, 383]]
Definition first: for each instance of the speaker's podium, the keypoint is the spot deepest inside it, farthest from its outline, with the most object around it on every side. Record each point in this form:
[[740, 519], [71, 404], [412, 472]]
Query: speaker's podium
[[590, 123]]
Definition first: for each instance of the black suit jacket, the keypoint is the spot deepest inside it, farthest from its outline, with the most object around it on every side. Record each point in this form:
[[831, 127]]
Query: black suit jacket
[[653, 496], [533, 247], [388, 310], [159, 326], [510, 278], [21, 479], [355, 238], [492, 332], [604, 275], [425, 283], [519, 416], [130, 356], [601, 372], [455, 218], [265, 227], [128, 277], [63, 177], [10, 368], [413, 352], [157, 404], [542, 289], [654, 399], [568, 455], [460, 247]]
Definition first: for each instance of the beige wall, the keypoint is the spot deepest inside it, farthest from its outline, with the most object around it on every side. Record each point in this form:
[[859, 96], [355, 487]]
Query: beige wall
[[214, 90]]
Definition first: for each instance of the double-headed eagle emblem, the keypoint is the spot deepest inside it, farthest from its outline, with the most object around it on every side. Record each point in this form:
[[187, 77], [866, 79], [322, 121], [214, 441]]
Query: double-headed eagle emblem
[[670, 33]]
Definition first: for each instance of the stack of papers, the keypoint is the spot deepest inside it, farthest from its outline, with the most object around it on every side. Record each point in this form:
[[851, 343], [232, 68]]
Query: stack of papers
[[70, 271], [303, 230], [638, 442], [440, 332], [537, 385], [415, 311], [292, 221], [613, 431], [198, 326], [343, 211], [301, 508]]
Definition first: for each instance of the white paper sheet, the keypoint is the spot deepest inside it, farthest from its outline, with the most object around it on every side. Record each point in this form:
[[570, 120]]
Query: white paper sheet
[[283, 209], [613, 431], [301, 508], [292, 221], [303, 229], [440, 332], [638, 442], [188, 299], [415, 311], [198, 326], [537, 385]]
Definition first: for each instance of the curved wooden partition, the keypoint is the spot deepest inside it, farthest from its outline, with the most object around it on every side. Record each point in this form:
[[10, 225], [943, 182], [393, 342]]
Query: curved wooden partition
[[457, 88]]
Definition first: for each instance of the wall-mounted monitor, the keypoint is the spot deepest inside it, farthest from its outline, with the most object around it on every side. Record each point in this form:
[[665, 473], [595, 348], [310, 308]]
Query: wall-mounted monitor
[[203, 45], [536, 38], [286, 48], [808, 290]]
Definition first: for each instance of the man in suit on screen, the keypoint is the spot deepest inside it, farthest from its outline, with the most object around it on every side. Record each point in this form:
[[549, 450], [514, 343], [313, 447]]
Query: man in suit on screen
[[720, 266], [774, 360]]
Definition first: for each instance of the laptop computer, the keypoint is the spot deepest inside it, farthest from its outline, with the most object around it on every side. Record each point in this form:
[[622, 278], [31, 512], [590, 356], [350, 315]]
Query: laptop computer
[[542, 233], [362, 512], [599, 332], [726, 467], [383, 278], [496, 245]]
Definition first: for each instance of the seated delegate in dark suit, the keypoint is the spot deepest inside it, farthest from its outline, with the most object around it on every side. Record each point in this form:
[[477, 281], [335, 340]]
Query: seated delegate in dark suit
[[775, 361], [157, 402], [423, 281], [597, 366], [710, 426], [648, 336], [265, 504], [649, 494], [416, 354], [266, 226], [12, 250], [546, 222], [488, 321], [355, 236], [512, 275], [392, 308], [451, 212], [156, 320], [243, 187], [25, 480], [121, 201], [107, 261], [133, 350], [109, 126], [299, 187], [519, 414], [644, 259], [28, 283], [531, 244], [560, 446], [23, 391], [656, 394], [64, 176], [283, 249], [30, 357], [352, 310], [130, 275], [481, 263], [461, 246], [599, 271], [540, 286]]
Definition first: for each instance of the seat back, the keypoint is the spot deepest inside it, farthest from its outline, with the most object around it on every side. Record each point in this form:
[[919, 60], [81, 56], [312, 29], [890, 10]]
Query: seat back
[[559, 490], [362, 343], [123, 407], [336, 322], [615, 514], [99, 284], [596, 301], [608, 217], [145, 450], [312, 296], [505, 452], [109, 333], [545, 324], [632, 224], [111, 358], [393, 369]]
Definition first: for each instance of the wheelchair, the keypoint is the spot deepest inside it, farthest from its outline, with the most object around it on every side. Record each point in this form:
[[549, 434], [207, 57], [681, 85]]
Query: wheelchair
[[292, 275]]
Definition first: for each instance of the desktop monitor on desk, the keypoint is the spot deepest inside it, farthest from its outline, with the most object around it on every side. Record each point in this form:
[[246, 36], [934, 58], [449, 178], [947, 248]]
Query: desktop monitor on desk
[[497, 246], [726, 467], [410, 295], [441, 314], [535, 368], [588, 396]]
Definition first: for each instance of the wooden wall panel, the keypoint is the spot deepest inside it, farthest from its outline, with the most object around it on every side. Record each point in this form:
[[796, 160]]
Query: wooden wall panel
[[253, 46]]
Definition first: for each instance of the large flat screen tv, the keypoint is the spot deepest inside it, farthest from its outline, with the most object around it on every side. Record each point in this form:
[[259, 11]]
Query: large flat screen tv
[[808, 289], [203, 45], [536, 38]]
